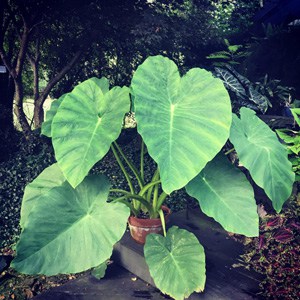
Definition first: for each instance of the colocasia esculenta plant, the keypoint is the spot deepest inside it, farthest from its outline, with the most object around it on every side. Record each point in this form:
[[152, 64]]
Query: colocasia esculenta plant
[[69, 226]]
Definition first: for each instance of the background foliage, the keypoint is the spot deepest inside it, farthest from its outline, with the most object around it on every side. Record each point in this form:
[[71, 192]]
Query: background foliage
[[275, 254], [113, 39], [15, 173]]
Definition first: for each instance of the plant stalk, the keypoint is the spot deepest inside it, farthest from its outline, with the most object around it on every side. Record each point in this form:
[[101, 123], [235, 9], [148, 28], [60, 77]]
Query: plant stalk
[[163, 222], [154, 178], [138, 198], [123, 169], [131, 166], [123, 200], [155, 193], [161, 200], [229, 151], [147, 186], [142, 160]]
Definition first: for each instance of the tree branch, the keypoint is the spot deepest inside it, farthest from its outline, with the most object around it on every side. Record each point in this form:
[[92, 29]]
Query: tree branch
[[62, 73], [23, 49], [34, 62], [38, 104]]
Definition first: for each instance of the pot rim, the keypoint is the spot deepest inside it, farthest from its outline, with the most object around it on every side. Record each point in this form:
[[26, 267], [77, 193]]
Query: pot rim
[[135, 221]]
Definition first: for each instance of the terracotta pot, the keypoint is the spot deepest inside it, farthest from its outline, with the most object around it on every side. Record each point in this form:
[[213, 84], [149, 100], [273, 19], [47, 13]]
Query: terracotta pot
[[140, 228]]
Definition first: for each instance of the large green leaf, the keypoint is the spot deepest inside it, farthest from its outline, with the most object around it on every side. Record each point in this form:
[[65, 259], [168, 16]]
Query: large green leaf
[[262, 154], [46, 126], [184, 121], [176, 262], [260, 100], [246, 95], [88, 120], [70, 230], [231, 82], [50, 178], [225, 194]]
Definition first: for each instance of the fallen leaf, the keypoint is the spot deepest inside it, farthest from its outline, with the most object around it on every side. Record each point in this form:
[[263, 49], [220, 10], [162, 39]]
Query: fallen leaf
[[29, 294], [261, 211]]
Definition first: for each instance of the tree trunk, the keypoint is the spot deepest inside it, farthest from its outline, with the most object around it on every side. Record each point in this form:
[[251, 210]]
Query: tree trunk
[[38, 104], [18, 107], [38, 107], [38, 113], [16, 74]]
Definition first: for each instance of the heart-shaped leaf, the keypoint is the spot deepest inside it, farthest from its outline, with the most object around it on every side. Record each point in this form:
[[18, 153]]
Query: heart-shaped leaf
[[46, 126], [88, 120], [262, 154], [176, 262], [50, 178], [184, 121], [225, 194], [70, 230]]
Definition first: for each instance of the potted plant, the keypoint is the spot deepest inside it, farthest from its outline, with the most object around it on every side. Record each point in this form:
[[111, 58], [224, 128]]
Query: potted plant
[[69, 226]]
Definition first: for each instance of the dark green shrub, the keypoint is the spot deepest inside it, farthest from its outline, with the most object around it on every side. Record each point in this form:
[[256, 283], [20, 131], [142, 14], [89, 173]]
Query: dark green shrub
[[230, 55], [32, 157], [276, 53], [275, 253], [241, 90]]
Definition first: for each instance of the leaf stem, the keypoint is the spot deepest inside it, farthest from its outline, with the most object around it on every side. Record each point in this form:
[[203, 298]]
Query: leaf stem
[[131, 166], [163, 222], [142, 159], [123, 200], [161, 200], [147, 186], [155, 193], [122, 168], [229, 151], [154, 178], [138, 198]]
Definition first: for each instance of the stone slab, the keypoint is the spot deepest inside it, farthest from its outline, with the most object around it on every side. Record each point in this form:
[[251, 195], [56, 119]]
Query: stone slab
[[118, 284], [223, 281]]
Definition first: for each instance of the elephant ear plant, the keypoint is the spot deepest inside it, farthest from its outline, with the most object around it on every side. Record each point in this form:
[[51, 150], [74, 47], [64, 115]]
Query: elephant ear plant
[[68, 224]]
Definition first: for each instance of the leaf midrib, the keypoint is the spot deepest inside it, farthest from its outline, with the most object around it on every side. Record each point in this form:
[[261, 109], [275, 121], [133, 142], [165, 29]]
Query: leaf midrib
[[99, 121], [184, 279]]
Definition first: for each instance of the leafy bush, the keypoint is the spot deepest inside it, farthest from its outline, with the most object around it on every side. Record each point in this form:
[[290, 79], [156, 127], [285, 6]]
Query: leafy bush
[[279, 95], [232, 16], [242, 92], [32, 157], [275, 253], [291, 139], [276, 53], [232, 55]]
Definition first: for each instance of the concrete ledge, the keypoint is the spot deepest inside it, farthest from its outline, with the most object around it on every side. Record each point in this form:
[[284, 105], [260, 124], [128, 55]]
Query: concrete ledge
[[223, 281]]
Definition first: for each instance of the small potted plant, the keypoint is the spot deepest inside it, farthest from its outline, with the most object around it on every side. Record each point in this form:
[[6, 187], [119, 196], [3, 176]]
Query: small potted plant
[[68, 224]]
